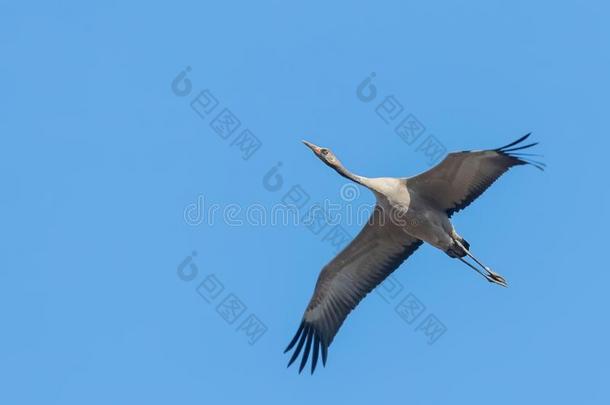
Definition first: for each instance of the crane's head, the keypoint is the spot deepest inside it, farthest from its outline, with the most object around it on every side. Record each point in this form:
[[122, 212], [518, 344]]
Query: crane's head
[[324, 154]]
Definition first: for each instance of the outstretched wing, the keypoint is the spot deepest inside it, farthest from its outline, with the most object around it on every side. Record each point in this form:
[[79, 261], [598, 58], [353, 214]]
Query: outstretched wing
[[463, 176], [377, 251]]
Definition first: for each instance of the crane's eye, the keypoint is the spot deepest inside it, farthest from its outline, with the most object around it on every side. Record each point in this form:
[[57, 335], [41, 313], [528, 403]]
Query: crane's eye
[[324, 151]]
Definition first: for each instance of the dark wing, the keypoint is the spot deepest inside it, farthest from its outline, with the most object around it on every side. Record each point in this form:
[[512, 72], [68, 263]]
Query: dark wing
[[377, 251], [463, 176]]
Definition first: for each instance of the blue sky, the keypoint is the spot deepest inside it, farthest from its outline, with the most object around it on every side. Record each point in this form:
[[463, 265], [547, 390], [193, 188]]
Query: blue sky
[[101, 159]]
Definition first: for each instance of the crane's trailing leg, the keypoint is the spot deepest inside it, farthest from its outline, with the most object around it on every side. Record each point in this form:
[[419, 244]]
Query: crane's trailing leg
[[490, 275], [467, 263]]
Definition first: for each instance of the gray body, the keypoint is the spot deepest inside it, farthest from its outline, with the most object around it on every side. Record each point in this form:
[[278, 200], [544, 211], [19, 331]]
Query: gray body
[[421, 220]]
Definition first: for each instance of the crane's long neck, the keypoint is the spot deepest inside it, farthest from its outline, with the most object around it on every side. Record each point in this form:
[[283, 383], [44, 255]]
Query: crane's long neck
[[365, 181]]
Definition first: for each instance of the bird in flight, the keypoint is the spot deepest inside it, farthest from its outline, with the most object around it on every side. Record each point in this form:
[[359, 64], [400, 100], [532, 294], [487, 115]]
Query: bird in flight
[[408, 212]]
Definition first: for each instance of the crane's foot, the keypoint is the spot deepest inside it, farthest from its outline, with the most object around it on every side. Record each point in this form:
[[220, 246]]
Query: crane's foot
[[489, 275], [495, 278]]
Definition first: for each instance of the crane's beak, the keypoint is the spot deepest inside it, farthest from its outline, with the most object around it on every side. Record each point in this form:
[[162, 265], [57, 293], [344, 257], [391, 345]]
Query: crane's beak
[[311, 146]]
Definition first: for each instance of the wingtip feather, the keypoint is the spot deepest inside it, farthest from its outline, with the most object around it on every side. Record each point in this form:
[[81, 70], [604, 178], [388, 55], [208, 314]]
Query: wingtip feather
[[510, 149], [523, 138], [307, 350], [297, 350], [316, 350], [295, 338]]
